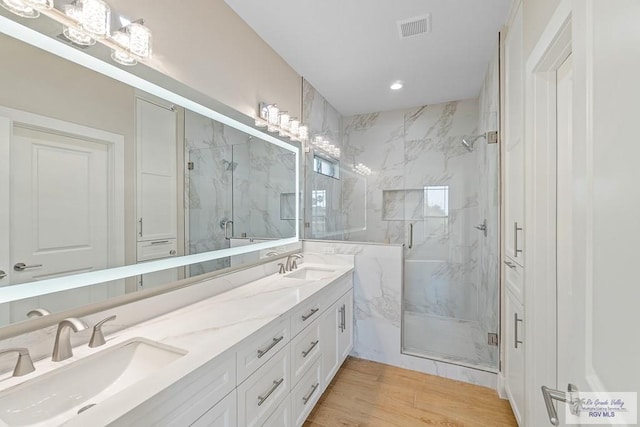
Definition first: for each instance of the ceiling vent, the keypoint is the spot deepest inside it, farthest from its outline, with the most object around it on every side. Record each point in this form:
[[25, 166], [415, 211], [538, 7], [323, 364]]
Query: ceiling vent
[[414, 26]]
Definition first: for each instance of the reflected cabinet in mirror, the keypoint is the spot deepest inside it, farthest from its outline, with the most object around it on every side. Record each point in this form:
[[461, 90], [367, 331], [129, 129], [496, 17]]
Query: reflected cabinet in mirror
[[101, 176]]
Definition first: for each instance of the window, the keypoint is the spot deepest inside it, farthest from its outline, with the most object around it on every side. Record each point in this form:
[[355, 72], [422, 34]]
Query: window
[[325, 166]]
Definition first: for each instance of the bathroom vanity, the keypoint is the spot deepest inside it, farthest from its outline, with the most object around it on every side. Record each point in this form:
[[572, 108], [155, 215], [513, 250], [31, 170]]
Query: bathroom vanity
[[259, 354]]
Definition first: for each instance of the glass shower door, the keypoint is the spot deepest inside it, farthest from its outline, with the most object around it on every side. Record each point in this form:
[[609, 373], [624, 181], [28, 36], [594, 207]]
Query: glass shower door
[[448, 309]]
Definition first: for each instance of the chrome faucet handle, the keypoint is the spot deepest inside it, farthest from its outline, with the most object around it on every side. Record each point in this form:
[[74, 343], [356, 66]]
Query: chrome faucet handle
[[62, 346], [38, 312], [281, 269], [97, 337], [24, 365], [294, 264]]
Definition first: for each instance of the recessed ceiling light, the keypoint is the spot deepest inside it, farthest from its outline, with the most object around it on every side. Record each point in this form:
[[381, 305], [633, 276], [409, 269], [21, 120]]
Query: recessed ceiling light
[[396, 86]]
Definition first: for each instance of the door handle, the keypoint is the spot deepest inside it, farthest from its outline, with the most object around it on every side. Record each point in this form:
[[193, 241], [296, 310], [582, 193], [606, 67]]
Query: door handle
[[2, 274], [227, 223], [410, 235], [140, 232], [21, 266], [550, 395]]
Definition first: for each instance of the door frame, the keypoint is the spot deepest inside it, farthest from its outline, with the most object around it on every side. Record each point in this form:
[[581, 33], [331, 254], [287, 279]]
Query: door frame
[[115, 146], [555, 44]]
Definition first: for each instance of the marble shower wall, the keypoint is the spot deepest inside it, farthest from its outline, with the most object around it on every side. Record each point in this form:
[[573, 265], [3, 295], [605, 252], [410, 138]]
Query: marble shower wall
[[263, 191], [323, 201]]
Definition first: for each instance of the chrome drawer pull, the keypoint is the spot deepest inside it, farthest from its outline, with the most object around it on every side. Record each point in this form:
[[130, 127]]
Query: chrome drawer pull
[[276, 384], [515, 328], [21, 266], [343, 325], [270, 346], [515, 239], [313, 344], [313, 311], [308, 396]]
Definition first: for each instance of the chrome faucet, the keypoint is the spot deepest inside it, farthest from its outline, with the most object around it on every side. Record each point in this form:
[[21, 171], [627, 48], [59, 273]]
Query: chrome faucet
[[24, 365], [292, 262], [97, 337], [62, 346]]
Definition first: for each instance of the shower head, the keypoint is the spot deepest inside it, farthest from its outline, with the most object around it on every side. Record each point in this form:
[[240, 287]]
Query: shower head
[[229, 166], [468, 141]]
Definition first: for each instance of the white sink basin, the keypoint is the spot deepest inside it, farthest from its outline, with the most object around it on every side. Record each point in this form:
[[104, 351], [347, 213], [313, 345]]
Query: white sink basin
[[310, 273], [57, 396]]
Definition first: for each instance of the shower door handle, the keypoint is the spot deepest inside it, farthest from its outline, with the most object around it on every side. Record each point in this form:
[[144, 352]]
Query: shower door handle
[[226, 229], [410, 235]]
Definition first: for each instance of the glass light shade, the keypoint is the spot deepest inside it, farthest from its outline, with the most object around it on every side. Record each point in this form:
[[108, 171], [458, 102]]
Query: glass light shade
[[40, 4], [294, 126], [274, 113], [140, 40], [121, 56], [264, 111], [303, 133], [96, 17], [75, 35], [20, 8], [285, 121]]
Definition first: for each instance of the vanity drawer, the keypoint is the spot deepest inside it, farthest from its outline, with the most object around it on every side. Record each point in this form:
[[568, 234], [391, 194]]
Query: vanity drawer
[[305, 350], [184, 402], [262, 392], [306, 394], [156, 249], [256, 350], [339, 288], [224, 414], [306, 313], [282, 416]]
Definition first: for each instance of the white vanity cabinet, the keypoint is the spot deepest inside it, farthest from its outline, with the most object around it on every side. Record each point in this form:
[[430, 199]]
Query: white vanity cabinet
[[514, 360], [272, 377]]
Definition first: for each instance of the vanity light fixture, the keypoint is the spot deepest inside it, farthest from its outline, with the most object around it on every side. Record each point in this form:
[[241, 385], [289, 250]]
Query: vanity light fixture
[[95, 18], [134, 42], [270, 116], [396, 85], [323, 145], [72, 32], [20, 8], [87, 21]]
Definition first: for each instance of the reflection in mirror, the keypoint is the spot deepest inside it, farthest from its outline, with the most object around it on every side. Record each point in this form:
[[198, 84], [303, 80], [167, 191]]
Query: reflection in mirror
[[94, 174], [239, 190]]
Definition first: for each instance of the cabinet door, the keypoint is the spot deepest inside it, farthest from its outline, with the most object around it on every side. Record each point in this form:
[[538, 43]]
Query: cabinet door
[[221, 415], [156, 171], [514, 141], [514, 354], [329, 323], [345, 326]]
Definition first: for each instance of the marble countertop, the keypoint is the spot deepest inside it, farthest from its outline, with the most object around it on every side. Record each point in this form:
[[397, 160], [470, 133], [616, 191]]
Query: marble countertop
[[205, 330]]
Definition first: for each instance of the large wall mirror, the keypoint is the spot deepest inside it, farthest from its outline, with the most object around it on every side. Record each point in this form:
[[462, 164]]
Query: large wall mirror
[[117, 181]]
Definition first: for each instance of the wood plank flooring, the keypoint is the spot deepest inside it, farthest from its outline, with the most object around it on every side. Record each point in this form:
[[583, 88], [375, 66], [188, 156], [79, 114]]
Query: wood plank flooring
[[365, 393]]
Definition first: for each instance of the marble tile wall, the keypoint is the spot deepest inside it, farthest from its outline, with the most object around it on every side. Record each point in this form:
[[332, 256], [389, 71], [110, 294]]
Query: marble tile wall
[[323, 201], [378, 313]]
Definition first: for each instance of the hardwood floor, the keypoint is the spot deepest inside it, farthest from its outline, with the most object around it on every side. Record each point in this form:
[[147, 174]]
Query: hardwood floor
[[365, 393]]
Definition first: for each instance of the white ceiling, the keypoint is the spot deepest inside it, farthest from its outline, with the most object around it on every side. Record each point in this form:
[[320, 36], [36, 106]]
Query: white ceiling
[[350, 50]]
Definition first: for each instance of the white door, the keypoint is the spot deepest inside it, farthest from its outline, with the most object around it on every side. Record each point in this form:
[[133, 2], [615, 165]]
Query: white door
[[59, 202], [598, 205]]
